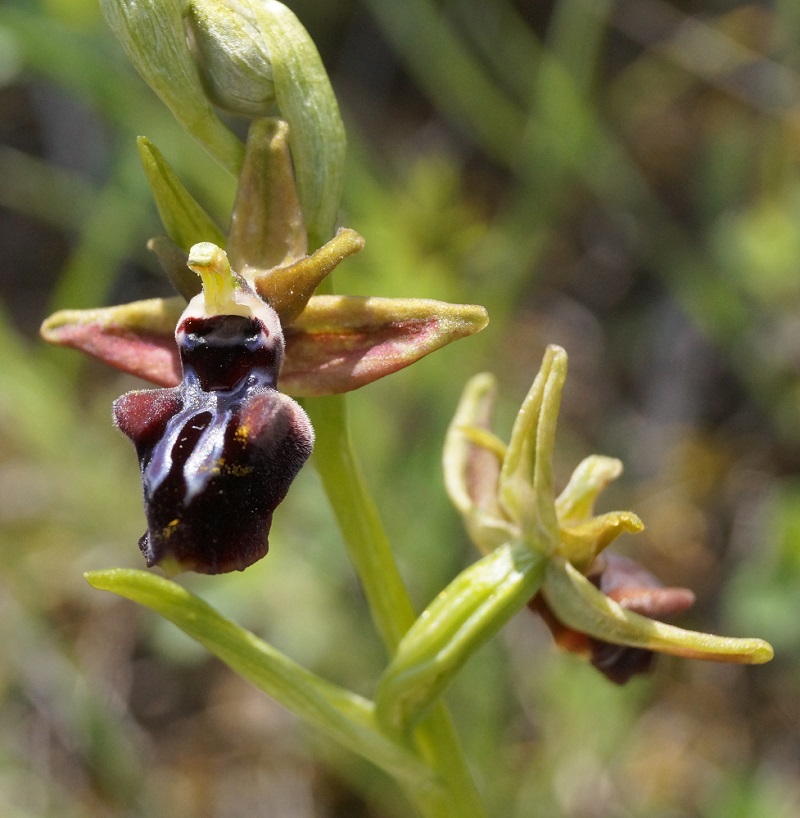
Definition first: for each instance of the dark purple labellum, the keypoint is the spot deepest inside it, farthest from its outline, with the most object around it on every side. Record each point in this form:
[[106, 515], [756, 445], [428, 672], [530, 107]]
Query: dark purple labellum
[[219, 452]]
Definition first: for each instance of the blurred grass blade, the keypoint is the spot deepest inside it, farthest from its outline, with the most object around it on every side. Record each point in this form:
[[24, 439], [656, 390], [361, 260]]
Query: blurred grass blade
[[455, 80]]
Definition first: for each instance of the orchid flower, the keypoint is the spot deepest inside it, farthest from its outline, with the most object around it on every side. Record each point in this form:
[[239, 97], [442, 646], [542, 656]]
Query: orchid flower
[[219, 445], [597, 604]]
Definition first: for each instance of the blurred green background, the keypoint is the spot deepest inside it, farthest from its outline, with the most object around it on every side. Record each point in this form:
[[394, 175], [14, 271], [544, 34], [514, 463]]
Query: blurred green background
[[621, 177]]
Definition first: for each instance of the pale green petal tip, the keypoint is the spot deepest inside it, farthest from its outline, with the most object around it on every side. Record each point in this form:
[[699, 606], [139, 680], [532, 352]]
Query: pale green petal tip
[[580, 544], [576, 502], [579, 605]]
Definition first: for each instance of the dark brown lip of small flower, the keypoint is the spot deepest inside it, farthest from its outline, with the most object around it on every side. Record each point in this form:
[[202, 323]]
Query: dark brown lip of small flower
[[633, 588]]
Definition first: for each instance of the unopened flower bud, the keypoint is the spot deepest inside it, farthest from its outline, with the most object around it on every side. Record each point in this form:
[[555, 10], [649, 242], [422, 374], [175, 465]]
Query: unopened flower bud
[[232, 57]]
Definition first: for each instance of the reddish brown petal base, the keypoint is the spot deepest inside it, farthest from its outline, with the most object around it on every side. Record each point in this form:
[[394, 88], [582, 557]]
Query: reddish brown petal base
[[632, 587]]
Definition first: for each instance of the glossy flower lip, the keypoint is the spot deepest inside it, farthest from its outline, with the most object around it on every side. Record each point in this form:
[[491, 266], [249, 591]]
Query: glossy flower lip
[[218, 452], [505, 493]]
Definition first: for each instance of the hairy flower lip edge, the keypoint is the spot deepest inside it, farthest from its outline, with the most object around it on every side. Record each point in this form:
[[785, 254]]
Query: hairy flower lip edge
[[181, 535], [138, 338]]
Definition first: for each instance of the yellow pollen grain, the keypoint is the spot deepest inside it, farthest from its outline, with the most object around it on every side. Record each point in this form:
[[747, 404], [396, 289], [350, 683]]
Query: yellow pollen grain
[[169, 528]]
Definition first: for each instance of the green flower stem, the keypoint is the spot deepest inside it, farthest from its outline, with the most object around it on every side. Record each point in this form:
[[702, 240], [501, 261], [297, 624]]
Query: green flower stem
[[341, 714], [358, 519], [387, 596]]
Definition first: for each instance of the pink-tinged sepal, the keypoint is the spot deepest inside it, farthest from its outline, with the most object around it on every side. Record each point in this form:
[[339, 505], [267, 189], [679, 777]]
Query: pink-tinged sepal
[[137, 338], [338, 343], [341, 342]]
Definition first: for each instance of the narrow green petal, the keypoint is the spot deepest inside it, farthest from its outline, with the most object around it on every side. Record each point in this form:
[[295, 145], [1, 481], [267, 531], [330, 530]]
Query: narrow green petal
[[473, 607], [341, 714], [580, 544], [339, 343], [267, 227], [577, 604], [153, 35], [576, 502], [138, 338], [183, 218], [288, 289], [471, 471]]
